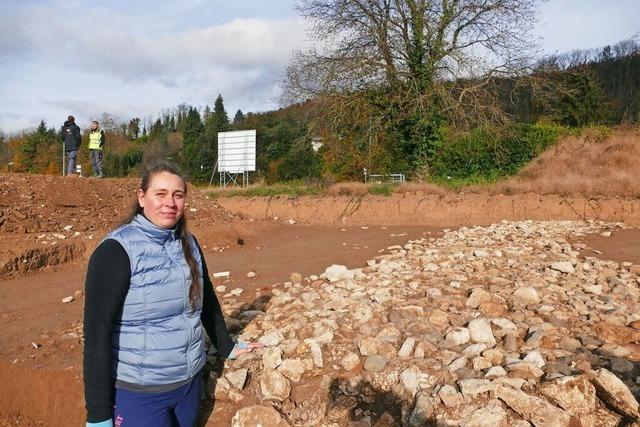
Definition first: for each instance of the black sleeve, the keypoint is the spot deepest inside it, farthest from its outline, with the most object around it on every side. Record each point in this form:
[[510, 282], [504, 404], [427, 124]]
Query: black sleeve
[[211, 316], [102, 138], [107, 283], [78, 136]]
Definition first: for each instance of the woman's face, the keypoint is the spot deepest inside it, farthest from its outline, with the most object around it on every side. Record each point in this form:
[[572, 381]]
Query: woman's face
[[163, 202]]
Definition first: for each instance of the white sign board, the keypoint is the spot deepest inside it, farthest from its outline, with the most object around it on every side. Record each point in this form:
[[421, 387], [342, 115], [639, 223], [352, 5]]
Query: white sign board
[[237, 151]]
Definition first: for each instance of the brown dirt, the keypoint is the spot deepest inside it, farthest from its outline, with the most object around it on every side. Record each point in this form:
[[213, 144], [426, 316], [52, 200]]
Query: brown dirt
[[436, 210], [42, 386]]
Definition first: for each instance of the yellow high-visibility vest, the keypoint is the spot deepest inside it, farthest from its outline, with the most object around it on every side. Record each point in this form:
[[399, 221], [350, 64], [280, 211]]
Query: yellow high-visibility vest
[[94, 140]]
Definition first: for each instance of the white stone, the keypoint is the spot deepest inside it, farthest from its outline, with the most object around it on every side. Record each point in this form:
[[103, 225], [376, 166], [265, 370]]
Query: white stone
[[338, 272], [458, 336], [274, 385], [272, 358], [525, 296], [563, 267], [237, 378], [350, 361], [272, 338], [221, 274], [480, 331], [67, 300], [536, 358], [450, 396], [407, 348], [495, 372]]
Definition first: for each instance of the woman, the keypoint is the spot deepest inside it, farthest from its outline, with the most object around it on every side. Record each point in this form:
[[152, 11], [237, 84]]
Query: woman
[[148, 296]]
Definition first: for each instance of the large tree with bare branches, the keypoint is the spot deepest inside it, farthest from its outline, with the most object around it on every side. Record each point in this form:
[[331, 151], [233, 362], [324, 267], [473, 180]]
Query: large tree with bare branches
[[403, 68]]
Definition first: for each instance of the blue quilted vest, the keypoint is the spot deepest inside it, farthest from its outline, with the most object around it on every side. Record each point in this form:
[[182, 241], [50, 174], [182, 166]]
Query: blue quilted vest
[[159, 339]]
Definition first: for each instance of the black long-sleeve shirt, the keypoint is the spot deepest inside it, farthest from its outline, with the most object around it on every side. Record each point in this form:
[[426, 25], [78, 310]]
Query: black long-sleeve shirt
[[107, 283]]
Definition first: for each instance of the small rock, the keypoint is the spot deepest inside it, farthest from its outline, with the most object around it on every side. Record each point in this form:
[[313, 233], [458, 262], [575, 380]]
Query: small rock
[[257, 415], [491, 415], [375, 363], [338, 272], [221, 288], [78, 294], [296, 278], [472, 387], [458, 336], [409, 380], [236, 292], [574, 394], [536, 358], [292, 369], [407, 348], [221, 274], [495, 372], [67, 300], [251, 274], [614, 392], [533, 409], [525, 296], [350, 361], [622, 366], [478, 296], [563, 267], [237, 378], [422, 411], [274, 385], [271, 339], [480, 331], [272, 358], [316, 353], [450, 396]]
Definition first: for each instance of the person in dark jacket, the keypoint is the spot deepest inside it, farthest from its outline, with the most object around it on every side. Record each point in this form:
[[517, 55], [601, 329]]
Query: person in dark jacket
[[71, 138], [148, 301]]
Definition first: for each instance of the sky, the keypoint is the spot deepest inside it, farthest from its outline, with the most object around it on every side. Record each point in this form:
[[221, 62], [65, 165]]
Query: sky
[[137, 58]]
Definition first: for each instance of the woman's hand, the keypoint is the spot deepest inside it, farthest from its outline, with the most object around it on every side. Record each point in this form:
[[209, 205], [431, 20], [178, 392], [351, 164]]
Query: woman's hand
[[243, 348]]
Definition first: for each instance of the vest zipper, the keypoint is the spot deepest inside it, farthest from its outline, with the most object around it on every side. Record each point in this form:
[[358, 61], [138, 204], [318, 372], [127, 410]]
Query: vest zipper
[[184, 316]]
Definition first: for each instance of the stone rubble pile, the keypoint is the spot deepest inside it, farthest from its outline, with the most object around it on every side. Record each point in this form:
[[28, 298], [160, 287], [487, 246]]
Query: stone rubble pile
[[505, 325]]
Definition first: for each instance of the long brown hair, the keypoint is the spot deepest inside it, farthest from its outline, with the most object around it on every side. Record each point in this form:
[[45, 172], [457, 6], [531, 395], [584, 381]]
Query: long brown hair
[[182, 232]]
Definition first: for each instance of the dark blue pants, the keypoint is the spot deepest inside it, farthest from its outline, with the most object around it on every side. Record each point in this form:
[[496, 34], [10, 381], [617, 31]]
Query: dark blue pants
[[175, 408], [71, 161]]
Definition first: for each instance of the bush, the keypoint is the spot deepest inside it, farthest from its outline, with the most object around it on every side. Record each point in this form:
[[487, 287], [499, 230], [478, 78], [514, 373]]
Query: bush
[[480, 156], [381, 189]]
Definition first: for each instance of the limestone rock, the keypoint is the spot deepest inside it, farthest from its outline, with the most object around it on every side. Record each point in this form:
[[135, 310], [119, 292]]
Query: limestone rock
[[562, 267], [375, 363], [480, 331], [274, 386], [617, 395], [272, 358], [525, 296], [537, 411], [258, 415], [450, 396], [237, 378], [574, 394], [338, 272]]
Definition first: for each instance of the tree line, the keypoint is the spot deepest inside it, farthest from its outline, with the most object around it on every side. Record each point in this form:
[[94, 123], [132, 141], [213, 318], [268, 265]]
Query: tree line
[[431, 89]]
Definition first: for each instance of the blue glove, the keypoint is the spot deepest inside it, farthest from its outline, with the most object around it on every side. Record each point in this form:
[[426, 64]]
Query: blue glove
[[105, 423], [239, 346]]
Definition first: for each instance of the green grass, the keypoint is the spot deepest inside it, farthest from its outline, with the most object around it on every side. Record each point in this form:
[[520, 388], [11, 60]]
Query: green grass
[[381, 189]]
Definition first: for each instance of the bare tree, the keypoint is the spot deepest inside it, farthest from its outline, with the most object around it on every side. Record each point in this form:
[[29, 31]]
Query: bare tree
[[377, 60]]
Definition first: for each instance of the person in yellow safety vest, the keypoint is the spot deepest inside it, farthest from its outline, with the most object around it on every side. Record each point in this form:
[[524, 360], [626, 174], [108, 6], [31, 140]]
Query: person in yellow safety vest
[[96, 142]]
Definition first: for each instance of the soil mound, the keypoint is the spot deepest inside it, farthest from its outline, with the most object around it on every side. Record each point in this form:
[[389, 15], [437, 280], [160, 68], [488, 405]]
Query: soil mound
[[44, 204], [591, 164]]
